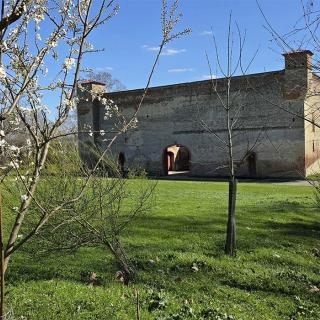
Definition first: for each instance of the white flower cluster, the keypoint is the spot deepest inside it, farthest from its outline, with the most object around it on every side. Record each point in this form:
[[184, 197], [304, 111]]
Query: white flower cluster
[[52, 43], [111, 109], [89, 45], [134, 123], [37, 13], [101, 132], [4, 46], [70, 103], [69, 63], [15, 148], [11, 149], [73, 103], [3, 73], [24, 197]]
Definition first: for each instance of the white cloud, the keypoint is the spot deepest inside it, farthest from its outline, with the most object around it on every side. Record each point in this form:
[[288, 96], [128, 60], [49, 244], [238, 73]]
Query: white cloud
[[206, 33], [172, 52], [148, 48], [153, 49], [180, 70], [104, 69], [165, 52]]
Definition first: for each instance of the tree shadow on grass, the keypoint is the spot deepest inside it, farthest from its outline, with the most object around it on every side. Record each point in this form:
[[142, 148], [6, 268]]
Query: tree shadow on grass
[[277, 286], [296, 229], [297, 226], [275, 207], [179, 224], [76, 267], [158, 234], [295, 219]]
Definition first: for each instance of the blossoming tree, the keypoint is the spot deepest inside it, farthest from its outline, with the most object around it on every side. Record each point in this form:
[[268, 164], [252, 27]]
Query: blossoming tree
[[42, 46]]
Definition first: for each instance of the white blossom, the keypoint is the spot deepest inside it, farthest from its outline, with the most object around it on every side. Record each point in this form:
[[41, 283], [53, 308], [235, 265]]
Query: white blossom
[[14, 164], [89, 46], [24, 197], [134, 122], [52, 43], [72, 103], [38, 17], [13, 148], [3, 73], [69, 63], [4, 46]]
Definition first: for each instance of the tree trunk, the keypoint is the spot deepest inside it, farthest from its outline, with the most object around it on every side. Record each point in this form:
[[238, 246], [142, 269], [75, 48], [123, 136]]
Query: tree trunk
[[127, 269], [138, 317], [2, 267], [230, 247]]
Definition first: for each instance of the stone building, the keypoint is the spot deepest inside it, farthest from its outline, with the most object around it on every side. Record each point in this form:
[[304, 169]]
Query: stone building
[[182, 127]]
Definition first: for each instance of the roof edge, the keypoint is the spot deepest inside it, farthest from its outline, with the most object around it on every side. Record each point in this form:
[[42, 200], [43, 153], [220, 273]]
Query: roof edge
[[168, 86]]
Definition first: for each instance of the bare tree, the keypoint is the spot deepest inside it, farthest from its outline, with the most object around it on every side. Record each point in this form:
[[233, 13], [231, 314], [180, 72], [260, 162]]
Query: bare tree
[[107, 208], [26, 52], [111, 84], [22, 93], [231, 136]]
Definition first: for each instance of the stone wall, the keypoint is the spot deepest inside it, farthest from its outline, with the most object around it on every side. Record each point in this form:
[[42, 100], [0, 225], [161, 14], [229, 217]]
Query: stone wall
[[312, 115], [268, 140]]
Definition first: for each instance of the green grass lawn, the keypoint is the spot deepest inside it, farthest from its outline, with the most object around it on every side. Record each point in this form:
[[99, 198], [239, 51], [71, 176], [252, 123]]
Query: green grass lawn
[[278, 261]]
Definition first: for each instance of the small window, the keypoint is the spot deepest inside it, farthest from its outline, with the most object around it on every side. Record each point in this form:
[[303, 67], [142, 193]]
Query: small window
[[313, 147]]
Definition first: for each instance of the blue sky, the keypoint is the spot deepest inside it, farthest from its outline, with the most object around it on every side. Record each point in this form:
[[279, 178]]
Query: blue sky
[[129, 37]]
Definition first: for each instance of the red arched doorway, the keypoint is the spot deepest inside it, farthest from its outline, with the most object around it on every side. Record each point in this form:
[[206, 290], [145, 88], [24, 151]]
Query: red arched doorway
[[176, 160]]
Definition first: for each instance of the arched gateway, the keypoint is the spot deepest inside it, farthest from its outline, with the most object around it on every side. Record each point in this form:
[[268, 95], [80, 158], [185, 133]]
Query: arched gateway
[[176, 159]]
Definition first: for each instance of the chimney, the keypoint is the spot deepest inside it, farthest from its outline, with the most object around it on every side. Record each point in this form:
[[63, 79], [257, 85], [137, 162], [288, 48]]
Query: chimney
[[298, 73], [86, 87], [88, 113]]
